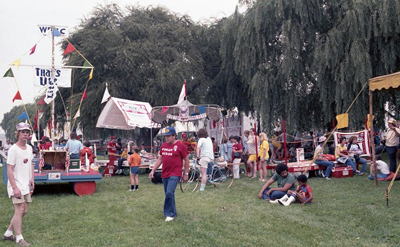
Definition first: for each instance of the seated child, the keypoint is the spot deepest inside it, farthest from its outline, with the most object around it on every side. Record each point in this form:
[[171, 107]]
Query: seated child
[[124, 156], [87, 150], [381, 166], [303, 193]]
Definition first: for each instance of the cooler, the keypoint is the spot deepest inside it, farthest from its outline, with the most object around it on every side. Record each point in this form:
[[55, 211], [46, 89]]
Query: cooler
[[342, 172]]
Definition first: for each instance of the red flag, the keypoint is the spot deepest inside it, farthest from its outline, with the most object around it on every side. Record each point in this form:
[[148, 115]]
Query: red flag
[[164, 109], [41, 102], [35, 126], [17, 96], [33, 49], [84, 95], [70, 48]]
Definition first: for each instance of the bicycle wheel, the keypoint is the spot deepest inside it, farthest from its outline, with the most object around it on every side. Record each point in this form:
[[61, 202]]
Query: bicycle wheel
[[222, 177], [191, 184]]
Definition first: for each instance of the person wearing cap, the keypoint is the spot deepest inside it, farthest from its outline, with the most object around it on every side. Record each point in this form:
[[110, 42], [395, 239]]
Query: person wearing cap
[[392, 141], [74, 146], [20, 182], [173, 155], [321, 161]]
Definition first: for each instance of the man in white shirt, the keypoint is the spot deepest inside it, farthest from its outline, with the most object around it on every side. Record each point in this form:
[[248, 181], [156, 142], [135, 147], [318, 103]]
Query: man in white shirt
[[20, 182]]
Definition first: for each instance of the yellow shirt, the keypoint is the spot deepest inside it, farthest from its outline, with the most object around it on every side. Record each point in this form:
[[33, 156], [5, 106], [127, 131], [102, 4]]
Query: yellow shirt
[[264, 148], [340, 149]]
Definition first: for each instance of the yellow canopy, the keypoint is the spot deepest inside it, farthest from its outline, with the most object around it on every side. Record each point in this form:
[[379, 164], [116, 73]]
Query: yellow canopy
[[385, 82]]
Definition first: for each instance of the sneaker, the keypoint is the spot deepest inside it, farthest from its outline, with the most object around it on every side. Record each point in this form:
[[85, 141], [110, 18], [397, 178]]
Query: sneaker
[[328, 178], [274, 201], [4, 238], [169, 219], [358, 174], [22, 242], [131, 190], [137, 189], [361, 173]]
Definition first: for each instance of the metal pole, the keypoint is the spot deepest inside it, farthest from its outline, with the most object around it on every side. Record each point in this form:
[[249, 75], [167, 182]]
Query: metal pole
[[52, 81], [371, 125]]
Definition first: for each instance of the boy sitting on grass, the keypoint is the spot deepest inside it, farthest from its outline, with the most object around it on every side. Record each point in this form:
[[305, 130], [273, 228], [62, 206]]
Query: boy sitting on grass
[[303, 194]]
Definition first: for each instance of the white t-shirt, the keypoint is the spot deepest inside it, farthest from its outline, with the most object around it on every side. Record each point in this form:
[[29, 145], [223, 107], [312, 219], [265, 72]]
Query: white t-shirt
[[382, 166], [22, 162], [206, 148]]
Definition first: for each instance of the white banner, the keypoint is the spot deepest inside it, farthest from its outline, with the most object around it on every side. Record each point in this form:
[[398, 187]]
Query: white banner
[[42, 77], [186, 118], [51, 93], [46, 29]]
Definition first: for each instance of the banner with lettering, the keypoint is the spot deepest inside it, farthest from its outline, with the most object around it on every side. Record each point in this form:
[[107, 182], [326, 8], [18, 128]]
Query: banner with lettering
[[46, 29], [186, 118], [51, 93], [42, 77]]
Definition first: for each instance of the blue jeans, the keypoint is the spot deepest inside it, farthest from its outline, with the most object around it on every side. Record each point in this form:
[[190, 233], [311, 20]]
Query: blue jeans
[[391, 151], [380, 149], [120, 162], [170, 184], [274, 194], [329, 165], [74, 156], [379, 176], [364, 164], [352, 164]]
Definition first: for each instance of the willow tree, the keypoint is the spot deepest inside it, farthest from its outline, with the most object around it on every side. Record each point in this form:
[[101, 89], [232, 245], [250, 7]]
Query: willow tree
[[306, 60]]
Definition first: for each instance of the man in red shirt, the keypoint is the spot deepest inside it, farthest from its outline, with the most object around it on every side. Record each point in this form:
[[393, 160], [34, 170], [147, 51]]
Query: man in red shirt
[[112, 146], [171, 155]]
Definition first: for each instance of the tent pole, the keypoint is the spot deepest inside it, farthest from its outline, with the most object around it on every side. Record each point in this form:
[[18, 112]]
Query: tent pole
[[371, 126]]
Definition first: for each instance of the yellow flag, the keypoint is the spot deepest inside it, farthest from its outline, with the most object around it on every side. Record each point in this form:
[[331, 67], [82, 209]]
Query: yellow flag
[[91, 74], [368, 121], [342, 121], [17, 63]]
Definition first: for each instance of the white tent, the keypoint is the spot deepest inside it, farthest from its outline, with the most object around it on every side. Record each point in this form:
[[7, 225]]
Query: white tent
[[125, 114]]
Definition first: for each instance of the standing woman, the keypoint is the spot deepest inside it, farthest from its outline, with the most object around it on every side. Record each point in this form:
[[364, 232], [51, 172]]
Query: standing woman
[[392, 141], [205, 155], [237, 150], [252, 143], [264, 149]]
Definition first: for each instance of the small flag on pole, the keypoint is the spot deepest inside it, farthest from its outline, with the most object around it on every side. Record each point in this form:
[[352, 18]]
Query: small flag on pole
[[17, 63], [182, 96], [41, 102], [84, 95], [86, 64], [106, 95], [91, 74], [56, 32], [78, 114], [23, 116]]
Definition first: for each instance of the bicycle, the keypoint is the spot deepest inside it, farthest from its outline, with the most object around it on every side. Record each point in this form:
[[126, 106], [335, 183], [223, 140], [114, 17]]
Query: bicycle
[[222, 177]]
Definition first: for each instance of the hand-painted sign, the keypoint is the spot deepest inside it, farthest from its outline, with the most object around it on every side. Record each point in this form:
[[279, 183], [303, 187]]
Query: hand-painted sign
[[42, 77], [46, 29]]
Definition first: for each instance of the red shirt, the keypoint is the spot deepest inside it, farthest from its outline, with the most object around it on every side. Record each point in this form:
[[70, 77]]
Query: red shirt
[[113, 148], [235, 147], [305, 191], [172, 159], [45, 146]]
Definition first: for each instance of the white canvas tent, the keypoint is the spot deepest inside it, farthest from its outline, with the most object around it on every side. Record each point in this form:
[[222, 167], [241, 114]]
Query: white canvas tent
[[125, 114]]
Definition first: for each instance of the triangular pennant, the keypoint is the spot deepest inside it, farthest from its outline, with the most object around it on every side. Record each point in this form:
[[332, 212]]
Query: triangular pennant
[[84, 95], [23, 116], [78, 114], [91, 74], [86, 64], [17, 63], [343, 120], [164, 109], [34, 139], [17, 97], [33, 49], [41, 102], [182, 95], [70, 48], [9, 73], [106, 95], [56, 32]]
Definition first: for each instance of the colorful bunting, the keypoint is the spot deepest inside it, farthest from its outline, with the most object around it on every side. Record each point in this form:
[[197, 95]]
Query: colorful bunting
[[56, 32], [17, 63], [84, 95], [70, 48], [9, 73], [23, 116], [164, 109], [33, 49], [78, 114], [86, 64], [17, 97]]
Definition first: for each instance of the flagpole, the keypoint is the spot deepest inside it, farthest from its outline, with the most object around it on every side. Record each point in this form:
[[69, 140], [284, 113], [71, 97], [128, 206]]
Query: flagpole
[[52, 80]]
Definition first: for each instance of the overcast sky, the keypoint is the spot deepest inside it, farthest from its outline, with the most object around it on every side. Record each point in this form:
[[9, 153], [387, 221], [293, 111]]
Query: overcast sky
[[19, 33]]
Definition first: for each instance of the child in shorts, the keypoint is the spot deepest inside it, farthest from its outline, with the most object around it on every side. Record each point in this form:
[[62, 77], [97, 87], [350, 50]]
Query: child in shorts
[[303, 193], [134, 163]]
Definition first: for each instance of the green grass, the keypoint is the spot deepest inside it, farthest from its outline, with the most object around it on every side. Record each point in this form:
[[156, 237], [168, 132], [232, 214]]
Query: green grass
[[345, 212]]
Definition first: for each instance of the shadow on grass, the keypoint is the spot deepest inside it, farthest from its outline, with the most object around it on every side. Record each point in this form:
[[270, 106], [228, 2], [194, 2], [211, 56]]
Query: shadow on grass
[[56, 188]]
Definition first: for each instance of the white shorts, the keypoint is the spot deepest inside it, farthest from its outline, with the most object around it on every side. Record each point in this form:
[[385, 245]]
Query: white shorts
[[203, 162], [236, 161]]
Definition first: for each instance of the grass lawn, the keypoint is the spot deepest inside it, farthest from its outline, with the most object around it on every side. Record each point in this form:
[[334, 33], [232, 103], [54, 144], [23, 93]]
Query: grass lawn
[[345, 212]]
